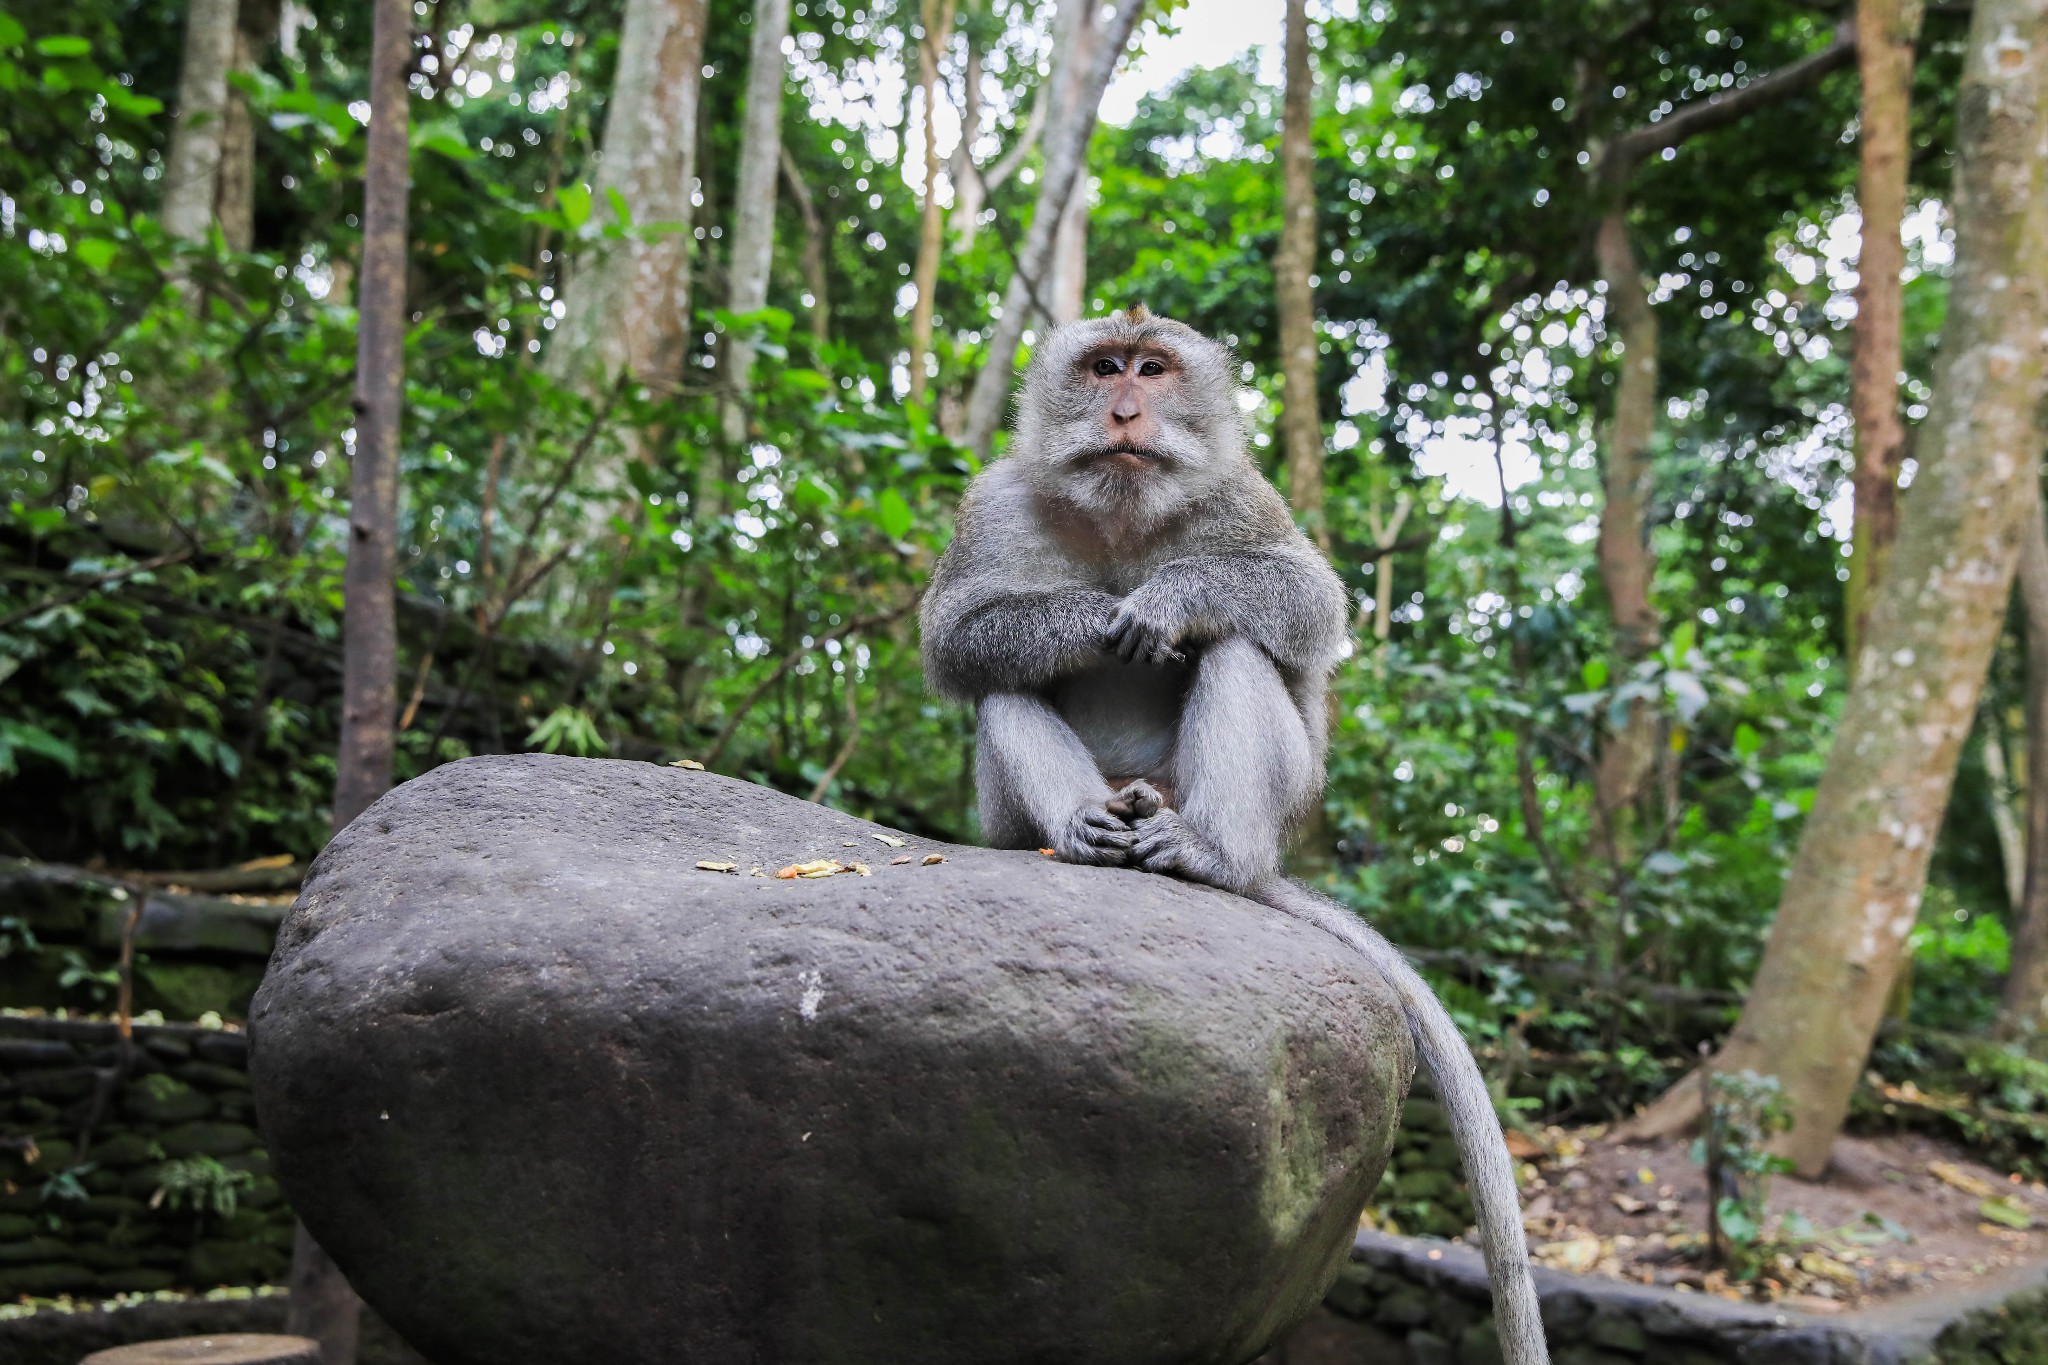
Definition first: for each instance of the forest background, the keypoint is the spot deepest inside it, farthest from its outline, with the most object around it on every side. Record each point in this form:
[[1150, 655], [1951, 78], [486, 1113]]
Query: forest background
[[1560, 328]]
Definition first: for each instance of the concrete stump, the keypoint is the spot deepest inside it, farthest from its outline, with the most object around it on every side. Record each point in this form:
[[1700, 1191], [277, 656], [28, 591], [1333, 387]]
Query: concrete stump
[[234, 1348], [548, 1090]]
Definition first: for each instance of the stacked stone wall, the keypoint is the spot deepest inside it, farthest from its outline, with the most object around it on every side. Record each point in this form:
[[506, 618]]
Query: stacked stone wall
[[127, 1168]]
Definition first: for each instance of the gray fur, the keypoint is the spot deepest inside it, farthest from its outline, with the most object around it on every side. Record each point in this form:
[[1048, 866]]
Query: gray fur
[[1149, 639]]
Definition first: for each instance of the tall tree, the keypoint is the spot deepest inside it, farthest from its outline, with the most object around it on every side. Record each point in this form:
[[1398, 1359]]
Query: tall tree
[[1889, 30], [936, 36], [192, 164], [1065, 154], [2023, 1008], [1301, 427], [753, 215], [628, 301], [234, 200], [322, 1304], [1077, 34], [1628, 760], [1855, 886]]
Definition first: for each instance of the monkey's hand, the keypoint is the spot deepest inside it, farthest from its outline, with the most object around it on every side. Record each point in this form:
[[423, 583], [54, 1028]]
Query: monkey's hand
[[1138, 801], [1093, 836], [1146, 626]]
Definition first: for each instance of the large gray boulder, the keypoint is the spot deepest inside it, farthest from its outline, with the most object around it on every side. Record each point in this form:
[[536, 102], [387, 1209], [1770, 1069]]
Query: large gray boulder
[[550, 1093]]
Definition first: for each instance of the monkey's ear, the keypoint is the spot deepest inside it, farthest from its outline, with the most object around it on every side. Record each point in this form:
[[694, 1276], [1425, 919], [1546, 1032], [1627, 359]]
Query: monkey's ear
[[1137, 313]]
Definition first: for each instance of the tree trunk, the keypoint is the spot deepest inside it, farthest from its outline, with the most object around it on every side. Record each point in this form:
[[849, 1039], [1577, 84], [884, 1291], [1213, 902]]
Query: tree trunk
[[628, 300], [1854, 889], [322, 1305], [192, 165], [1889, 30], [2006, 821], [753, 215], [968, 191], [817, 241], [1628, 759], [976, 184], [1301, 427], [1065, 158], [931, 240], [234, 203], [370, 637], [2023, 1011], [1077, 33]]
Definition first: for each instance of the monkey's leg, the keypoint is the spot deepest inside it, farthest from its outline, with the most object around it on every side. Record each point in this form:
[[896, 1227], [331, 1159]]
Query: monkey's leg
[[1039, 786], [1244, 768]]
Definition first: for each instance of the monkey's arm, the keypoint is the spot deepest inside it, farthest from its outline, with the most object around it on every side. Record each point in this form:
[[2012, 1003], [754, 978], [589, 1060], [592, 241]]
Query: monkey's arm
[[1285, 600], [976, 644]]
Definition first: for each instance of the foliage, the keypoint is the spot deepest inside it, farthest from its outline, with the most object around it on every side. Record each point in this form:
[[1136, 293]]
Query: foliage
[[175, 433], [1744, 1112], [203, 1185]]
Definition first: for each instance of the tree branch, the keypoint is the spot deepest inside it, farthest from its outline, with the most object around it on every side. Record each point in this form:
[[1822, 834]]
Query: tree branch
[[1723, 107]]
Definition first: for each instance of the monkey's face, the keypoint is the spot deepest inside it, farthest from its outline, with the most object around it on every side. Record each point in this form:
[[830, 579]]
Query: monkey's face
[[1131, 415]]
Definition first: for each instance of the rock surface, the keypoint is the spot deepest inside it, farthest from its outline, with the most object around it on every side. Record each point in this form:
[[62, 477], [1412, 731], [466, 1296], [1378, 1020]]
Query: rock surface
[[549, 1093]]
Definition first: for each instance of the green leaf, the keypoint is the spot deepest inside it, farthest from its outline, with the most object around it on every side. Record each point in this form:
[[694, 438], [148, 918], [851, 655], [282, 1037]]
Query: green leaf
[[574, 202], [97, 252], [567, 727], [62, 45], [1682, 640], [1747, 741], [12, 34], [1595, 674], [443, 139], [2006, 1214], [892, 514], [120, 98], [33, 739]]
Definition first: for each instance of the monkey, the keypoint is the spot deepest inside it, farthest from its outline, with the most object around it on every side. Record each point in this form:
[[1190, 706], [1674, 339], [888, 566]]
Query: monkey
[[1147, 638]]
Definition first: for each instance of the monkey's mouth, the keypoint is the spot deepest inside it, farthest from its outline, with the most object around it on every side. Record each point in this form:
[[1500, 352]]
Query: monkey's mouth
[[1126, 457]]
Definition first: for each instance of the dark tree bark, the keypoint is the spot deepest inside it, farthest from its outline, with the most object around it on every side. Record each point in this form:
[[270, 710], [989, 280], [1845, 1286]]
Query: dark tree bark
[[817, 245], [2023, 1010], [370, 637], [322, 1305], [1854, 889], [1884, 53], [1301, 426]]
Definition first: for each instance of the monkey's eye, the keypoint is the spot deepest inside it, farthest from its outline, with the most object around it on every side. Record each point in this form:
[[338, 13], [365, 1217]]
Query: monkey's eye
[[1108, 366], [1151, 367]]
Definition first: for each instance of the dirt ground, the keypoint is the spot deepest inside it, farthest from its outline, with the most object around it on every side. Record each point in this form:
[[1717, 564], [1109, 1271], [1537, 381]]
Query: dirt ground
[[1893, 1215]]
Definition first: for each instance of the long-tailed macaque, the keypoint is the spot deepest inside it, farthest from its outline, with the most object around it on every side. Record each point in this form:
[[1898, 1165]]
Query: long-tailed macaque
[[1148, 638]]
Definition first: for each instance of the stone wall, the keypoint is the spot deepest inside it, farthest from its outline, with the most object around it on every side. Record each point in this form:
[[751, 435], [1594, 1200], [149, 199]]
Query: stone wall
[[1409, 1301], [120, 1176]]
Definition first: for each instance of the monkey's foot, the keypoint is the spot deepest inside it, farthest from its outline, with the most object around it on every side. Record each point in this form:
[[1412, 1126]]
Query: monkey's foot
[[1165, 844], [1095, 837], [1139, 800]]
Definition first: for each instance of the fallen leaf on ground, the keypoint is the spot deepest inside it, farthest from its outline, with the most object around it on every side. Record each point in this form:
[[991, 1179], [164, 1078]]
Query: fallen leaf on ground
[[705, 865], [860, 869], [898, 862], [1579, 1255], [1811, 1303], [889, 839], [2006, 1214], [1521, 1146], [1948, 1173], [692, 764], [1628, 1205], [823, 867], [931, 858]]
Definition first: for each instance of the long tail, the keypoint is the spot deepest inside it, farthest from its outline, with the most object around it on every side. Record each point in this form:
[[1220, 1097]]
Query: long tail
[[1462, 1091]]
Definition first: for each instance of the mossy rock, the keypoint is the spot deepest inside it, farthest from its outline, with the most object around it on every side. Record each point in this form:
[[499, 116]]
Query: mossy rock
[[995, 1108]]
